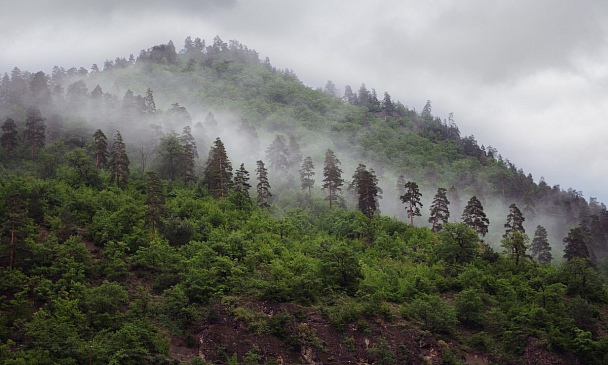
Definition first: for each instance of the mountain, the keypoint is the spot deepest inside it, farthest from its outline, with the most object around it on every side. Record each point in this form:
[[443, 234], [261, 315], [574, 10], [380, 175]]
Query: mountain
[[168, 207]]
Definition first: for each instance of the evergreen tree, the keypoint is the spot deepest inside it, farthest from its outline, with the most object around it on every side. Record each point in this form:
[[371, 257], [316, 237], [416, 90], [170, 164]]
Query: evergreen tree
[[307, 171], [575, 244], [119, 162], [349, 96], [189, 154], [149, 104], [241, 181], [101, 149], [263, 187], [333, 177], [439, 210], [218, 171], [35, 130], [155, 202], [541, 250], [515, 221], [10, 136], [39, 89], [278, 156], [474, 216], [179, 115], [366, 188], [411, 199], [171, 157]]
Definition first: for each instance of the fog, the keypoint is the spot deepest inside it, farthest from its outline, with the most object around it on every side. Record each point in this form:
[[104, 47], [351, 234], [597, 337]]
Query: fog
[[527, 78]]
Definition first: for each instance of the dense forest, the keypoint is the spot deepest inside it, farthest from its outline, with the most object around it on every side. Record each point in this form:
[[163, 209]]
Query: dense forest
[[202, 206]]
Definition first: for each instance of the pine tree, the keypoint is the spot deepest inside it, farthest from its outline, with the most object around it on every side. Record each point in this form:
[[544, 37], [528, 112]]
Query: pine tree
[[149, 104], [10, 136], [575, 244], [155, 201], [119, 162], [189, 154], [171, 157], [263, 187], [101, 149], [307, 171], [474, 216], [515, 241], [439, 210], [515, 220], [366, 188], [218, 171], [35, 130], [333, 177], [411, 199], [541, 250], [241, 181], [277, 155]]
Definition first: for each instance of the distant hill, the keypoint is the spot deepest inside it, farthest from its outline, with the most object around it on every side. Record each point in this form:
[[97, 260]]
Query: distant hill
[[169, 207]]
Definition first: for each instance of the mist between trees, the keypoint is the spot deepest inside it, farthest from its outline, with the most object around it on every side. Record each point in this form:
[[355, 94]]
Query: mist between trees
[[214, 177], [223, 90]]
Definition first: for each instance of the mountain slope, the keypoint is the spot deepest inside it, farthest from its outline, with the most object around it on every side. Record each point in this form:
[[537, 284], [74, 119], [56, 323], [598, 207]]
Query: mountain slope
[[179, 253]]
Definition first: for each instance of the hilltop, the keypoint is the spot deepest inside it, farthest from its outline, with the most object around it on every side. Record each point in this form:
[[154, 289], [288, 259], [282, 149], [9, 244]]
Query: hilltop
[[169, 207]]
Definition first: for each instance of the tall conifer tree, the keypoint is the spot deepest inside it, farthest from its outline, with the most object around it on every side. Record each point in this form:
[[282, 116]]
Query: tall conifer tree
[[35, 130], [367, 190], [263, 187], [440, 212], [411, 199], [218, 171], [333, 177], [307, 171], [10, 136], [541, 250], [119, 162], [474, 216], [189, 154], [101, 149]]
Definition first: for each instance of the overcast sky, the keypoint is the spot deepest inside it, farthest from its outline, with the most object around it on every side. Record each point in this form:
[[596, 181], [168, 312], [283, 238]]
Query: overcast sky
[[526, 77]]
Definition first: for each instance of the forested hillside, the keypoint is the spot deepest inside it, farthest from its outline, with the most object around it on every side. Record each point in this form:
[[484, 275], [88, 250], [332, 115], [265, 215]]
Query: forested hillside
[[202, 206]]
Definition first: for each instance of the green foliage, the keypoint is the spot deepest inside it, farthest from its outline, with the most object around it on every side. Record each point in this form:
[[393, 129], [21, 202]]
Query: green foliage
[[432, 313], [470, 307], [97, 260]]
